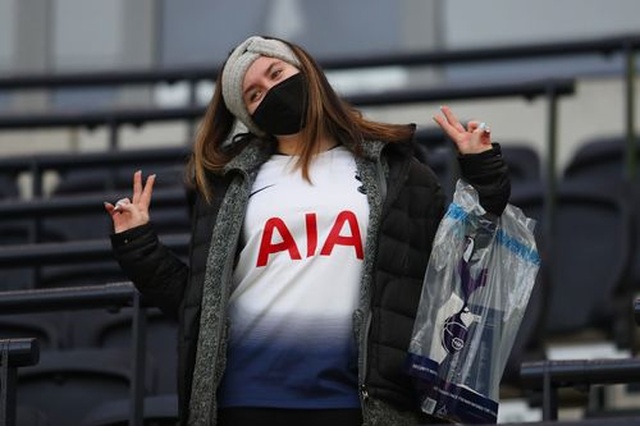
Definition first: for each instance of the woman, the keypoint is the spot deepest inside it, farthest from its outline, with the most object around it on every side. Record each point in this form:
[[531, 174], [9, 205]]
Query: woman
[[311, 235]]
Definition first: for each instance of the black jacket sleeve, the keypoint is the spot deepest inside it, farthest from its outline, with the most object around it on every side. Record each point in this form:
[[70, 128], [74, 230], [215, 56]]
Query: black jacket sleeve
[[488, 173], [157, 273]]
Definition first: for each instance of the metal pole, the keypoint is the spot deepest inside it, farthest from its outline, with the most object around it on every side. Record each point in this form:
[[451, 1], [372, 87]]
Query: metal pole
[[110, 184], [551, 190], [191, 124], [550, 398], [35, 227], [113, 135], [630, 71], [139, 326], [8, 382], [630, 162]]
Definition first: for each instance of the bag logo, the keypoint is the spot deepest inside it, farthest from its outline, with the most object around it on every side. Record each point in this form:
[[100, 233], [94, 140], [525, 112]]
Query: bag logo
[[454, 333], [454, 329]]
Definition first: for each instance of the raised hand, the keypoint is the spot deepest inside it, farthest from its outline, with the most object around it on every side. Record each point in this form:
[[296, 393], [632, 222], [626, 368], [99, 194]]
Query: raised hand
[[126, 213], [473, 139]]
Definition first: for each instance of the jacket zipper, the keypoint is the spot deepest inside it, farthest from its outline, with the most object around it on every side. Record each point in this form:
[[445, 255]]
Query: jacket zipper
[[364, 391]]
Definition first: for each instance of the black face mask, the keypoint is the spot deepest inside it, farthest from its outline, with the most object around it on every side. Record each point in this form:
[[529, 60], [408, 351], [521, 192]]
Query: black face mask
[[284, 107]]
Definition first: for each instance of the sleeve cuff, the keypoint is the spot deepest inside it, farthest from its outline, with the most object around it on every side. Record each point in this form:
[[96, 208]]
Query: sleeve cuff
[[486, 162], [121, 239]]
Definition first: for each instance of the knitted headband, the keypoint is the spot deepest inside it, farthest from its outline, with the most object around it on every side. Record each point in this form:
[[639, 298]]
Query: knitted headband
[[236, 66]]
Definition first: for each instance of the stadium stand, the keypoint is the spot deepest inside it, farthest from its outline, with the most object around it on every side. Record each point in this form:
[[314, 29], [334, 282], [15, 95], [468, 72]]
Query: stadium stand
[[86, 355]]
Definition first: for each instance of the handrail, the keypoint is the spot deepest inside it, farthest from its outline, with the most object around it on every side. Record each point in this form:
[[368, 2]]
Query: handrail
[[72, 251], [61, 205], [90, 297], [604, 45], [626, 44], [176, 156], [14, 353], [23, 352], [92, 119], [118, 117], [89, 160], [38, 164], [114, 295], [31, 213], [548, 376], [170, 155], [575, 372], [551, 89]]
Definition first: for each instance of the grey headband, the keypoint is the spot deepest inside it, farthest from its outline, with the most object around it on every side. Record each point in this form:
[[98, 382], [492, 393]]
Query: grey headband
[[236, 66]]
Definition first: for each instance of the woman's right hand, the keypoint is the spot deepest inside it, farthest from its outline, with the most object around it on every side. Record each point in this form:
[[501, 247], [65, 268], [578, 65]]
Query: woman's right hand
[[127, 214]]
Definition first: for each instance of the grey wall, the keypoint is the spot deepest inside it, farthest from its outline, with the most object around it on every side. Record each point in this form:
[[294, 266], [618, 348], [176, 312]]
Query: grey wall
[[509, 22], [98, 34], [201, 31], [503, 22], [7, 30]]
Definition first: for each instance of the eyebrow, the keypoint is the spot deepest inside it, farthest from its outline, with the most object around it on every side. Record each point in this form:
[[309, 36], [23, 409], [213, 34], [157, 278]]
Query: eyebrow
[[267, 72]]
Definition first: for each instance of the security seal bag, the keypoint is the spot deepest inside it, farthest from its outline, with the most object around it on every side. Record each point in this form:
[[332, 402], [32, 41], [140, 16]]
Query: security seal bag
[[476, 288]]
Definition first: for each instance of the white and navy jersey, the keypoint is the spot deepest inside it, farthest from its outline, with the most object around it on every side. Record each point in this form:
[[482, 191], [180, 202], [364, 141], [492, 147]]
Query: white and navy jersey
[[296, 285]]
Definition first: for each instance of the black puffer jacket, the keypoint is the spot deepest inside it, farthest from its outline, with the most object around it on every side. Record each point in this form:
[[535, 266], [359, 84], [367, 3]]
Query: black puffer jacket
[[406, 205]]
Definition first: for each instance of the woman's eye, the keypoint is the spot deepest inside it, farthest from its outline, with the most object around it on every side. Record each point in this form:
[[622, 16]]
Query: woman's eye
[[254, 96], [276, 73]]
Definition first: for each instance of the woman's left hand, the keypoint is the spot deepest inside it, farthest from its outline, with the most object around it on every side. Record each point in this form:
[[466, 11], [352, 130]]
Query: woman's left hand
[[473, 139]]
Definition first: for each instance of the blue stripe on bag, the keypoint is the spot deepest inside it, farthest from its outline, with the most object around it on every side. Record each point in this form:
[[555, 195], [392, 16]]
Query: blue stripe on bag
[[456, 212], [517, 248]]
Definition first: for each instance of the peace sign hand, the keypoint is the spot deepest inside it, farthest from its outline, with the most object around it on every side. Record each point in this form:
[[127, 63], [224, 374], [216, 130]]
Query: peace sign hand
[[473, 139], [127, 214]]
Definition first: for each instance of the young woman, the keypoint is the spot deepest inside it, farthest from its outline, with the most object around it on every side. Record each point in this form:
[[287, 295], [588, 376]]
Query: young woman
[[311, 234]]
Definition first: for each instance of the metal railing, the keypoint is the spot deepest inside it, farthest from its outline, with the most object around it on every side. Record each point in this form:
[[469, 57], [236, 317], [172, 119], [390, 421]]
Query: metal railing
[[549, 376], [116, 295], [625, 44], [73, 251], [14, 353], [38, 164], [551, 90]]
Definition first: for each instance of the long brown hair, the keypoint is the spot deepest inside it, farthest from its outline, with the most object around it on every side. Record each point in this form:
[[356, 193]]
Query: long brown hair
[[327, 115]]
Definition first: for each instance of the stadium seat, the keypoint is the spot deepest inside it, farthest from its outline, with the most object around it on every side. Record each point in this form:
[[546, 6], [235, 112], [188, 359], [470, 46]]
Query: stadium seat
[[588, 257], [523, 161], [67, 385], [11, 278], [159, 410], [8, 187], [102, 329], [81, 273], [601, 162], [30, 416], [599, 158]]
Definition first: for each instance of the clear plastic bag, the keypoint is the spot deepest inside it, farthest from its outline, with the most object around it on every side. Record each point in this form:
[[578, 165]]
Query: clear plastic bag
[[476, 288]]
